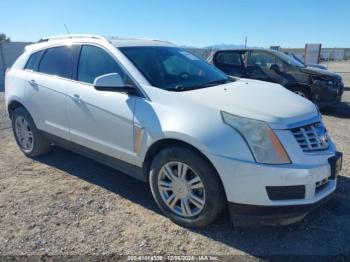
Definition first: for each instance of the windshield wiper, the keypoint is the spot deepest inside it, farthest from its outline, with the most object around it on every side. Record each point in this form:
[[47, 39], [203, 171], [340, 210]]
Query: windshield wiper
[[180, 88], [214, 83]]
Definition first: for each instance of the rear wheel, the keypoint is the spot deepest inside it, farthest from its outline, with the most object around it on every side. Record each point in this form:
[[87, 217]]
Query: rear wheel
[[186, 187], [29, 139]]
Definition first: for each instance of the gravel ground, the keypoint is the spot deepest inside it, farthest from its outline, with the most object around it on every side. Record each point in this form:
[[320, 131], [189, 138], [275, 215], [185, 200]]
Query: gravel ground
[[66, 204]]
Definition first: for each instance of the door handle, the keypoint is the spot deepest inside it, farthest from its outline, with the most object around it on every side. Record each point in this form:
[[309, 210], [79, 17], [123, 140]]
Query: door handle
[[76, 98], [32, 82]]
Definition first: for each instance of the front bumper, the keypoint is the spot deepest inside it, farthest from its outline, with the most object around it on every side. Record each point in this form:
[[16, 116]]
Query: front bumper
[[253, 215], [246, 185], [326, 95]]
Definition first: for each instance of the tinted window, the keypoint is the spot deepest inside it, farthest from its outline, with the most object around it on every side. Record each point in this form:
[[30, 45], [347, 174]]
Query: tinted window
[[33, 61], [261, 59], [95, 62], [231, 58], [293, 61], [173, 68], [57, 61]]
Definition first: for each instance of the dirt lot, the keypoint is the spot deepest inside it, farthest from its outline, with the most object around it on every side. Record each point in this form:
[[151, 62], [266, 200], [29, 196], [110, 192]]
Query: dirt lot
[[63, 203]]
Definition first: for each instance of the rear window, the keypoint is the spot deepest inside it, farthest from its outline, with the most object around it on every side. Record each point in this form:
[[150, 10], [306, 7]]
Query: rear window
[[57, 61], [230, 58], [33, 61]]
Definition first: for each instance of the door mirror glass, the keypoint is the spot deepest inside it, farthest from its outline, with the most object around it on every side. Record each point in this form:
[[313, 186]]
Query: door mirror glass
[[109, 80], [112, 82]]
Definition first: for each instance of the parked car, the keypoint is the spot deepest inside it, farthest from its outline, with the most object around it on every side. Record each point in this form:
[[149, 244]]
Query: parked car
[[322, 87], [203, 141]]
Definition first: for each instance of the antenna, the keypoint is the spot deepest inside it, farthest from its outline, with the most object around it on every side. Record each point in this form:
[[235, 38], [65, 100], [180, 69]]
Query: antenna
[[65, 26]]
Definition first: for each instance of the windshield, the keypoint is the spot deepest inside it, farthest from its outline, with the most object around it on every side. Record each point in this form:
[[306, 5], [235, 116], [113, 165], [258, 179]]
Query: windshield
[[173, 68], [290, 60]]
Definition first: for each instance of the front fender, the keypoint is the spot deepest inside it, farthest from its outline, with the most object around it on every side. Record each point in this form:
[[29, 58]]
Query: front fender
[[202, 129]]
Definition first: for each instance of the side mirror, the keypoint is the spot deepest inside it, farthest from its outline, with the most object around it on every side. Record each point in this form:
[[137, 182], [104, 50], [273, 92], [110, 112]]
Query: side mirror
[[112, 82], [275, 67]]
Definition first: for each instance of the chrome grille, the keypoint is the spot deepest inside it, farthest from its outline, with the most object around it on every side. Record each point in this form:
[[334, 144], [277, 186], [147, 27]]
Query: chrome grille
[[311, 137]]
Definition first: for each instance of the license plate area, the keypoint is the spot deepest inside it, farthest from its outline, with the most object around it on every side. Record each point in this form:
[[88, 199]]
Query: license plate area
[[335, 163]]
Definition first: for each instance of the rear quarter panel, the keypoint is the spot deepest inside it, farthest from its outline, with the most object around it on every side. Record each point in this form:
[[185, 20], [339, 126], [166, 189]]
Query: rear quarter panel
[[14, 86], [15, 80]]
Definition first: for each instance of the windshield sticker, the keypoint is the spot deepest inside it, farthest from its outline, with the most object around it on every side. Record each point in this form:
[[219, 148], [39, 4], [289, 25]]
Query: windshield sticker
[[189, 55]]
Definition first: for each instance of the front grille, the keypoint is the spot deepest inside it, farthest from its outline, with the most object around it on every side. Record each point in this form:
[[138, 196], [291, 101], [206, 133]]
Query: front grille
[[311, 137]]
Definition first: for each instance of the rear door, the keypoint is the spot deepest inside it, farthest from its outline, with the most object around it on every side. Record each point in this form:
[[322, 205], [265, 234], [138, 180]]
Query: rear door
[[230, 62], [49, 74], [101, 120], [260, 66]]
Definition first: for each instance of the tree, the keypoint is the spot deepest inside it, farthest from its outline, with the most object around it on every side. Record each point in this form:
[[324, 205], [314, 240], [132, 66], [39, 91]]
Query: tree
[[4, 38]]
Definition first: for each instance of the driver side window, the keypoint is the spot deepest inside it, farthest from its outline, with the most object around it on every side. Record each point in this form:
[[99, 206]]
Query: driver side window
[[94, 62], [261, 59]]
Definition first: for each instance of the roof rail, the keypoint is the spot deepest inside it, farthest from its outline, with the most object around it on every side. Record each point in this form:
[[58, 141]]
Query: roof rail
[[155, 39], [140, 38], [72, 36]]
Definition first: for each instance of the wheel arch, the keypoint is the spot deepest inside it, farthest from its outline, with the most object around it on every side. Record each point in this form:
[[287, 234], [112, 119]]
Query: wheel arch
[[161, 144], [13, 105]]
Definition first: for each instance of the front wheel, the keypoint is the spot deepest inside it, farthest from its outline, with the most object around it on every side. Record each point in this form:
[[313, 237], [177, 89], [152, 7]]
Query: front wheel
[[186, 187], [301, 91]]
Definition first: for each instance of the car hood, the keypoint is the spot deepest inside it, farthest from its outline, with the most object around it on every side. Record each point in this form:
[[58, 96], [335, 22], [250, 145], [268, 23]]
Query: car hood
[[259, 100], [318, 72]]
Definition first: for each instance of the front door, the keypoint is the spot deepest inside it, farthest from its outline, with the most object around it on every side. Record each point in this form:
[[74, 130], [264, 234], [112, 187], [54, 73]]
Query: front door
[[100, 120], [261, 65]]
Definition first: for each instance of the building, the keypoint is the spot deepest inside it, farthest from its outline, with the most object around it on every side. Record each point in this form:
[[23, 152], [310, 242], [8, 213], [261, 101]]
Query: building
[[333, 54]]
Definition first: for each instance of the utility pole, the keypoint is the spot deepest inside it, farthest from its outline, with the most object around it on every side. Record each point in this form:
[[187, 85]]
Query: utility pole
[[245, 42]]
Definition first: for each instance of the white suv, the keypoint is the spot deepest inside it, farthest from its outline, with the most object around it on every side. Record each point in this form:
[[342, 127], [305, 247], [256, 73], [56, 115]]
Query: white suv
[[204, 142]]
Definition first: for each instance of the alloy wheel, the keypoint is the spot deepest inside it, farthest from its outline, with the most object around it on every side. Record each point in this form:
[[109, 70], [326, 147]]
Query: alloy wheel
[[181, 189]]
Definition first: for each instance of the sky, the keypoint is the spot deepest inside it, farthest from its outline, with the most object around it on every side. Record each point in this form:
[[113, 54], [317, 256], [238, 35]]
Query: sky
[[198, 23]]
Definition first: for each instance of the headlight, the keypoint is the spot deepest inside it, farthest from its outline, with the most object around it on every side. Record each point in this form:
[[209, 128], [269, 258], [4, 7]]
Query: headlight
[[261, 139], [319, 79]]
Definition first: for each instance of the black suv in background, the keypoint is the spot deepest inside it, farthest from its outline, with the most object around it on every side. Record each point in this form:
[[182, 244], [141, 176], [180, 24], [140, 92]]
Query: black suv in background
[[320, 86]]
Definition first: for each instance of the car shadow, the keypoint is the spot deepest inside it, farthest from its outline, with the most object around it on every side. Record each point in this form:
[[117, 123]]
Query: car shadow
[[341, 109], [325, 231], [100, 175]]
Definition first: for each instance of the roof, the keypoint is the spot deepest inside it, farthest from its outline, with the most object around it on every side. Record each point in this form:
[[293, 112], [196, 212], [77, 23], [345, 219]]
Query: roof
[[248, 49], [81, 38], [139, 42]]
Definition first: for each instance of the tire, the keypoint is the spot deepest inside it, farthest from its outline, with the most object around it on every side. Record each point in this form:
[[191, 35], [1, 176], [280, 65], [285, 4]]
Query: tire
[[302, 91], [209, 189], [29, 139]]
